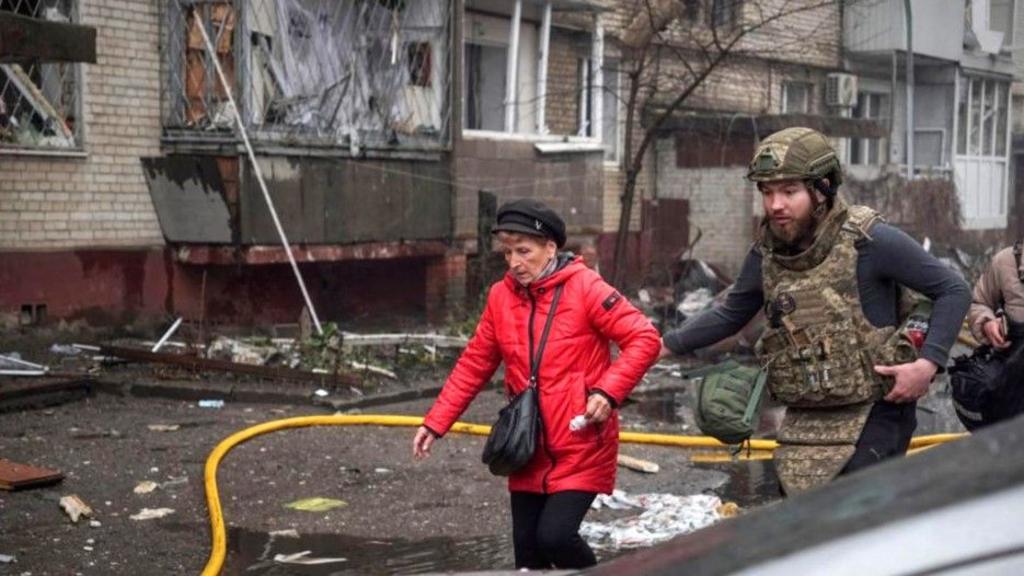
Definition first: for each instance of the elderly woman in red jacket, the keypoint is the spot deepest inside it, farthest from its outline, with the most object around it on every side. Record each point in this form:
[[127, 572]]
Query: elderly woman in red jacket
[[551, 494]]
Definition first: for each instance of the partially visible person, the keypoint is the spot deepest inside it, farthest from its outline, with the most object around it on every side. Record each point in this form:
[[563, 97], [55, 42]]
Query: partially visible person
[[588, 252], [551, 494], [999, 294], [988, 386]]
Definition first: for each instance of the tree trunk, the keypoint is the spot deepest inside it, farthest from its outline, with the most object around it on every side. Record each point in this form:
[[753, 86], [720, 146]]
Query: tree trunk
[[622, 236]]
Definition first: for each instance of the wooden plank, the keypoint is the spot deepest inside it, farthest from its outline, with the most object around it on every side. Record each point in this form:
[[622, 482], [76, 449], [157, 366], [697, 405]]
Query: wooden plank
[[196, 363], [24, 39], [15, 476]]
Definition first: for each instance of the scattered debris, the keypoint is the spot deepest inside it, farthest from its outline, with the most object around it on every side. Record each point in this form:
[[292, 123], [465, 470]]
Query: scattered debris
[[12, 365], [145, 487], [216, 404], [152, 513], [15, 476], [94, 524], [316, 504], [664, 516], [163, 427], [373, 369], [8, 559], [167, 335], [695, 302], [289, 533], [321, 393], [303, 558], [75, 507], [350, 339], [728, 510], [638, 464], [65, 349], [196, 363]]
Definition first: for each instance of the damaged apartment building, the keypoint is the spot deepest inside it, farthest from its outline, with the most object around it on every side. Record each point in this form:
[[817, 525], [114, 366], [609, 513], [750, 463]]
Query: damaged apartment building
[[842, 69], [386, 132]]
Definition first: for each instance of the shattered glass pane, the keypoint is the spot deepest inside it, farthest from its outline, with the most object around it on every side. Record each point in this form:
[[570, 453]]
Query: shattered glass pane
[[39, 100], [348, 73]]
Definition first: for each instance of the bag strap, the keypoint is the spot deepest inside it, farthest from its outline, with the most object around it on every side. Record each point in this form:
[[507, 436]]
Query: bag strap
[[535, 357]]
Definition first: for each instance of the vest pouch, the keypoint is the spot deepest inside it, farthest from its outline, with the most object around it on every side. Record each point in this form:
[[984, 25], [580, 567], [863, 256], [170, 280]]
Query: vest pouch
[[896, 349], [820, 366]]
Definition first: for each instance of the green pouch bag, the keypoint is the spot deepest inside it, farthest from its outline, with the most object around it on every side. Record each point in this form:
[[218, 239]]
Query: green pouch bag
[[729, 398]]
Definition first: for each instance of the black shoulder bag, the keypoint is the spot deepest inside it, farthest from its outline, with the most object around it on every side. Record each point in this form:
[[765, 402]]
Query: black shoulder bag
[[513, 437]]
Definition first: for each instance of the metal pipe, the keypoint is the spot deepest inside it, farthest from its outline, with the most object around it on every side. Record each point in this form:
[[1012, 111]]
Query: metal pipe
[[909, 22], [512, 72], [259, 178], [170, 332], [597, 89], [542, 72]]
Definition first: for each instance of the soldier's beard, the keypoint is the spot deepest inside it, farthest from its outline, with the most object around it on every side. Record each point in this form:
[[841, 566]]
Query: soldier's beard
[[795, 233]]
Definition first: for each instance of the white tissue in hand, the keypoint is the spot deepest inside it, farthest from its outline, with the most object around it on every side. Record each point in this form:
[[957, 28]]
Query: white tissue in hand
[[578, 423]]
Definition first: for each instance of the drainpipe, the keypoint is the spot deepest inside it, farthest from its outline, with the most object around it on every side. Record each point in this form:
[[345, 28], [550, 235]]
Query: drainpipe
[[597, 74], [512, 73], [542, 69], [909, 21]]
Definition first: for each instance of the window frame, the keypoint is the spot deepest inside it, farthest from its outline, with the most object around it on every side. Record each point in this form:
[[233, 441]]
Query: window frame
[[79, 130]]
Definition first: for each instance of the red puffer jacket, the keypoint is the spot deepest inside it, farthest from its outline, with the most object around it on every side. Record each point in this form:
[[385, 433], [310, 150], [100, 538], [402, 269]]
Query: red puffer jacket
[[576, 361]]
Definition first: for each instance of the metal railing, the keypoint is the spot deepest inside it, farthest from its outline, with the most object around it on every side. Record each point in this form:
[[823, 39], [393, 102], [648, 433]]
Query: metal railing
[[39, 101], [340, 73]]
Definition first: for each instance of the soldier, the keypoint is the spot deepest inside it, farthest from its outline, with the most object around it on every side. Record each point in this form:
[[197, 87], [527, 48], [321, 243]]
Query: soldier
[[830, 277]]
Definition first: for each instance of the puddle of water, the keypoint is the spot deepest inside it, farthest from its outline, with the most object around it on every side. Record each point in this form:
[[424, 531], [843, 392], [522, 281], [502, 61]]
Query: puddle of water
[[752, 483], [252, 554]]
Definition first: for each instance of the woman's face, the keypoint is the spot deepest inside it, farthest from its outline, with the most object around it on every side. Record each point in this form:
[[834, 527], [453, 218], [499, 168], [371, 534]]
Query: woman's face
[[526, 255]]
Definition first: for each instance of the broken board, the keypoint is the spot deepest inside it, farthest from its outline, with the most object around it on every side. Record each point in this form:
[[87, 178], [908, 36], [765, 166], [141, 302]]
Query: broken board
[[14, 476]]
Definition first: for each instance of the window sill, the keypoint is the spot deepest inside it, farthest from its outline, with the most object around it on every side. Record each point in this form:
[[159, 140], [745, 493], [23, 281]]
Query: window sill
[[75, 153], [568, 147], [525, 137]]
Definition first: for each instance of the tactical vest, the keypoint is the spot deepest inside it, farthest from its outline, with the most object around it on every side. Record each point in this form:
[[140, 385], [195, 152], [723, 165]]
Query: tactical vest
[[819, 348]]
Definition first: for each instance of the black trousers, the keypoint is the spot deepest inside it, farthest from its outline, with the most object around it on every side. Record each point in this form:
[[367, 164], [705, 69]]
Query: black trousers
[[545, 530], [886, 434]]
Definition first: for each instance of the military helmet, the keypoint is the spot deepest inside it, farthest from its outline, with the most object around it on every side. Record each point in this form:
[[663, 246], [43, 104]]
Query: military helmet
[[795, 153]]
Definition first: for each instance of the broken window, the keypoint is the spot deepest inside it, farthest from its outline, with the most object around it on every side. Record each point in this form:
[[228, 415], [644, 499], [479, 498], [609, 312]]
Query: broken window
[[39, 101], [334, 72], [724, 14]]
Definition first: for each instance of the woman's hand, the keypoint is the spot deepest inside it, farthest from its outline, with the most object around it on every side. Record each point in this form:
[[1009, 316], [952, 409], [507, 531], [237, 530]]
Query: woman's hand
[[598, 409], [422, 442]]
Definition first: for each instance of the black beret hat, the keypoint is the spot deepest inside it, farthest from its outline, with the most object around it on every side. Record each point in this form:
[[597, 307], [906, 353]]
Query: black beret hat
[[533, 217]]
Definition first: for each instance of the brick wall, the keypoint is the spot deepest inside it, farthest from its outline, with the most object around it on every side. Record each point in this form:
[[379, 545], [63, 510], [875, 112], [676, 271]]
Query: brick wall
[[102, 199], [562, 106], [721, 206]]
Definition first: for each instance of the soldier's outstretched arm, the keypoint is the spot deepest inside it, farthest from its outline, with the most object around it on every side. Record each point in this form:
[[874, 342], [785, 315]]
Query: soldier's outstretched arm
[[721, 321]]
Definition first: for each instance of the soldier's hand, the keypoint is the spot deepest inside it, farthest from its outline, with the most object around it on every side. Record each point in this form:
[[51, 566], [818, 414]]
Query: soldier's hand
[[993, 330], [912, 379]]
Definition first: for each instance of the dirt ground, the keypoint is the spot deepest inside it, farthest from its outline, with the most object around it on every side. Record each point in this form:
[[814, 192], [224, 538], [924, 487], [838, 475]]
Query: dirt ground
[[105, 447], [401, 516]]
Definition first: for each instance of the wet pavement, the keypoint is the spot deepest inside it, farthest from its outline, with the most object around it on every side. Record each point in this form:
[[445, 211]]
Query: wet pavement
[[401, 516]]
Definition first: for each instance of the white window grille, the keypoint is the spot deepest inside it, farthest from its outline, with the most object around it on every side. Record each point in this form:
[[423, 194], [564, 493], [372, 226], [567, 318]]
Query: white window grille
[[40, 102], [981, 162], [796, 97], [870, 151]]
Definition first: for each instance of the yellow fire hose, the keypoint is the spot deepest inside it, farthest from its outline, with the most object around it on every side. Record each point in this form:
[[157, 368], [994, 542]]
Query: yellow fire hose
[[217, 554]]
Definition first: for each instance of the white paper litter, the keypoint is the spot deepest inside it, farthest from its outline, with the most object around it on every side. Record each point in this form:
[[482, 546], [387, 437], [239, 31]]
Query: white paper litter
[[664, 517], [303, 558], [151, 513], [145, 487]]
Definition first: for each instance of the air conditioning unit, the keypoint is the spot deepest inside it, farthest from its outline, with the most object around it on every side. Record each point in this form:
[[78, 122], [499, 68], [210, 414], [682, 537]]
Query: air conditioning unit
[[841, 90]]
